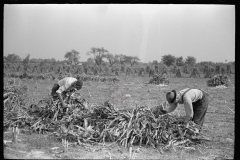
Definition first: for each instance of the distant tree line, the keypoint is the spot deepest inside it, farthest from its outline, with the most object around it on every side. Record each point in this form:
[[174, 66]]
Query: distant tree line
[[170, 60], [13, 58], [102, 57]]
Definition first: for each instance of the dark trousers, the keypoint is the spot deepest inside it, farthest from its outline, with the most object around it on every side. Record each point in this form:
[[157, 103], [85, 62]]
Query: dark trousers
[[54, 89], [199, 110]]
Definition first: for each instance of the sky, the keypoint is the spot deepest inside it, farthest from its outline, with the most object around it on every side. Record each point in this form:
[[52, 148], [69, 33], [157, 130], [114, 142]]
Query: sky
[[148, 31]]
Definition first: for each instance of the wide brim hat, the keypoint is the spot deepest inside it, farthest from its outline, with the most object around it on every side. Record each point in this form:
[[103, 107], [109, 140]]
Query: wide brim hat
[[171, 96]]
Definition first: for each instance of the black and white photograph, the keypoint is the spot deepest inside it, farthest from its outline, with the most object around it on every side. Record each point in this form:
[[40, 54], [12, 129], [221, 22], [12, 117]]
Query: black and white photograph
[[119, 81]]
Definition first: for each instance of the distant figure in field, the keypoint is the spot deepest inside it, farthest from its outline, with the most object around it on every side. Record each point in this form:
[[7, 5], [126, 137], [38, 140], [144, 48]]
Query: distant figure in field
[[65, 85]]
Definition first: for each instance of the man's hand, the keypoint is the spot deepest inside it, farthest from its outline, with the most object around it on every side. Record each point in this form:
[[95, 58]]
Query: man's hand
[[187, 120], [64, 105], [158, 110], [193, 128], [163, 111]]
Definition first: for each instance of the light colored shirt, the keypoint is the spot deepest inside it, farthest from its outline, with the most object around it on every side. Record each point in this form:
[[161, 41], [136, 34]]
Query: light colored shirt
[[65, 83], [189, 97]]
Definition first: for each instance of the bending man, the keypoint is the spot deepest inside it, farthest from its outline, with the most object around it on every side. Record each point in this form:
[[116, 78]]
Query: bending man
[[64, 85], [195, 103]]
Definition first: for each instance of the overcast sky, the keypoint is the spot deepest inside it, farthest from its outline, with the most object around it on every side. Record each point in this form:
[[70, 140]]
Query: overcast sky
[[149, 31]]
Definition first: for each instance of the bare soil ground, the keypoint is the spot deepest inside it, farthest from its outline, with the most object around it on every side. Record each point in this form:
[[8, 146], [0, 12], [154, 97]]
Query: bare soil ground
[[219, 121]]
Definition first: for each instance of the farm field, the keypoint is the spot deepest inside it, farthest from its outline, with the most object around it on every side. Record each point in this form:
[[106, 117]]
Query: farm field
[[219, 120]]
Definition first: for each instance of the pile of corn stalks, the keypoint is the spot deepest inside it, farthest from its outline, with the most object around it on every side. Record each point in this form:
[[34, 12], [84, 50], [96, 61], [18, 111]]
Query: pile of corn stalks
[[14, 101], [84, 77], [49, 114], [103, 123], [218, 80], [141, 127], [100, 123], [195, 73], [178, 73], [159, 79]]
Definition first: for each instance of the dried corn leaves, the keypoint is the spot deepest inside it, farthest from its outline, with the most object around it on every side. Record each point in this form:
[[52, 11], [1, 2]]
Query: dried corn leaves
[[218, 80], [159, 79], [102, 123]]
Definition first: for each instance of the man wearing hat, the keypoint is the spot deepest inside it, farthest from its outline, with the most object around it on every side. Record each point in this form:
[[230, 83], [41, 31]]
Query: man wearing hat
[[63, 86], [195, 103]]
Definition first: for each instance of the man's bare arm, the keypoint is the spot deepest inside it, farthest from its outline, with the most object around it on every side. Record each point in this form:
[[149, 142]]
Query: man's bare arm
[[188, 108], [60, 97]]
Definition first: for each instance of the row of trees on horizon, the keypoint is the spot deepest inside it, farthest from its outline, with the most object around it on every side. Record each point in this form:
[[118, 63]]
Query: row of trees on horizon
[[101, 56]]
